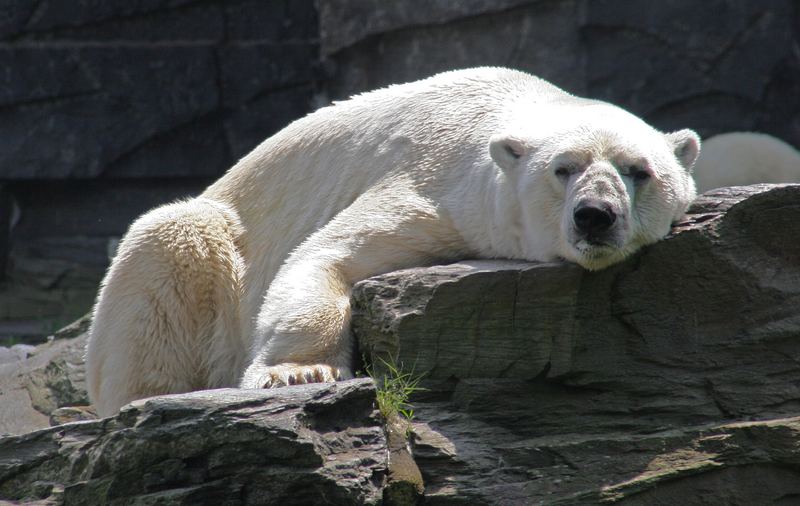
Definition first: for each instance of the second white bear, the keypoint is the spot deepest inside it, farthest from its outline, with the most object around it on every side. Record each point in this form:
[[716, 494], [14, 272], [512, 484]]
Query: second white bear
[[250, 283], [743, 158]]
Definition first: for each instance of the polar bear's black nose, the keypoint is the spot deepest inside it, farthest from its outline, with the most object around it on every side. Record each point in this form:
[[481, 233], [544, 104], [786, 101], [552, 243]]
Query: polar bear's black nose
[[593, 217]]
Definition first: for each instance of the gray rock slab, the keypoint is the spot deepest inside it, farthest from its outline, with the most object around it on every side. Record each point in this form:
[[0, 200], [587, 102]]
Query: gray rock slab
[[467, 462], [311, 444], [52, 376], [548, 381], [15, 353]]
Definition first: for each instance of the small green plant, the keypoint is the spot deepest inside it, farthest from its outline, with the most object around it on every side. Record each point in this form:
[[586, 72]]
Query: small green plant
[[394, 390]]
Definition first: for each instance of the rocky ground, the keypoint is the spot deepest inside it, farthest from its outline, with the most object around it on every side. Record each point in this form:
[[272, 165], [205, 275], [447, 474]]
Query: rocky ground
[[668, 379], [15, 353]]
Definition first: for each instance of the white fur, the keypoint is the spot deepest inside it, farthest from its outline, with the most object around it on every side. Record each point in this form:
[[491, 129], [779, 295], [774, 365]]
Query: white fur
[[460, 164], [743, 158]]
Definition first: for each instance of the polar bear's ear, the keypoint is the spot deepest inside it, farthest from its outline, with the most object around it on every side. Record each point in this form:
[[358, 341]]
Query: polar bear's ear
[[506, 150], [686, 146]]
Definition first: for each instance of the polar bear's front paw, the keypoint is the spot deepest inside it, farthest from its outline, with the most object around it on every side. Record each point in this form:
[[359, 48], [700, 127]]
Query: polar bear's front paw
[[296, 374]]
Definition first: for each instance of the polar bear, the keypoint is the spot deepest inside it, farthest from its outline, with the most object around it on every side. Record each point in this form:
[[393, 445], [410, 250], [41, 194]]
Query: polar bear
[[249, 283], [743, 158]]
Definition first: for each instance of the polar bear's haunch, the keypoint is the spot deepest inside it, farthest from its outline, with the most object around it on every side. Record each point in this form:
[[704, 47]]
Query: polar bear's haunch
[[250, 282]]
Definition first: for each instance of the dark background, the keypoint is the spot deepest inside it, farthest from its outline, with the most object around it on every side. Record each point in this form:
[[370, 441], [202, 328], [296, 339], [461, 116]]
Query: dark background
[[110, 107]]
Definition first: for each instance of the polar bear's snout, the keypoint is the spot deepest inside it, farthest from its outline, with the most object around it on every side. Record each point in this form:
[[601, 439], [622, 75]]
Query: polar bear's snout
[[593, 220]]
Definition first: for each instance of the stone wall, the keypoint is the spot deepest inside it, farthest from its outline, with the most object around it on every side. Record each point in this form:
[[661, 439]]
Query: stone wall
[[110, 108], [713, 66]]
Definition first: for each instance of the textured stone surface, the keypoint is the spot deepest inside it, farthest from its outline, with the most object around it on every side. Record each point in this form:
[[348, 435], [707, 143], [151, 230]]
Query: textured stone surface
[[723, 60], [15, 353], [52, 376], [550, 383], [542, 39], [404, 486], [60, 248], [312, 444], [132, 89], [345, 22], [110, 108], [6, 212], [34, 304], [734, 464], [181, 99]]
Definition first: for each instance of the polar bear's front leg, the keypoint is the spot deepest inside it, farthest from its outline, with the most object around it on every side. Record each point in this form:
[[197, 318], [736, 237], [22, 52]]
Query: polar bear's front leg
[[303, 328], [302, 332]]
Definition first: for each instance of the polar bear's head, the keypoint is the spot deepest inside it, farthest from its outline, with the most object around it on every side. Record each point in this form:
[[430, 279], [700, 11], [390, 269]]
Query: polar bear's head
[[598, 182]]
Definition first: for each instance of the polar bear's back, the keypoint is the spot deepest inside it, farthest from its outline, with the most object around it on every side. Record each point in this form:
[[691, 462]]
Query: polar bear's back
[[743, 158], [416, 110], [480, 84], [464, 103], [300, 178], [341, 150]]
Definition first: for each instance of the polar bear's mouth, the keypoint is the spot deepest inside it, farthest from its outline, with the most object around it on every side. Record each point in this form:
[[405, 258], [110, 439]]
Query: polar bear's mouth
[[597, 253], [595, 247], [594, 242]]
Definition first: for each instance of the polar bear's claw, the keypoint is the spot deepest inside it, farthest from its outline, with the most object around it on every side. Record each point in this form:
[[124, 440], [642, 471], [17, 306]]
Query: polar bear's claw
[[294, 374]]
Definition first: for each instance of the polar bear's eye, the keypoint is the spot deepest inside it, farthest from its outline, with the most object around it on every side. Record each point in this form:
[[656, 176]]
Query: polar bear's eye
[[563, 172], [638, 174]]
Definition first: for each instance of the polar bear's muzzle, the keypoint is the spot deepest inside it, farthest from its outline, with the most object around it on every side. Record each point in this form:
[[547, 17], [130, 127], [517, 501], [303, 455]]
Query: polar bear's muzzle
[[594, 223], [596, 233], [593, 220]]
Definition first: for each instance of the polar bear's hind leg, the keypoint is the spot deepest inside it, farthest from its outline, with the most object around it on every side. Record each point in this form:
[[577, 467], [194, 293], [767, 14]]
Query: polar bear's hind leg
[[166, 319]]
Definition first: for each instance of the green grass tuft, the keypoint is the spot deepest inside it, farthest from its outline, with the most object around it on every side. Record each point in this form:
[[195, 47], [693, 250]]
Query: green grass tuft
[[394, 390]]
